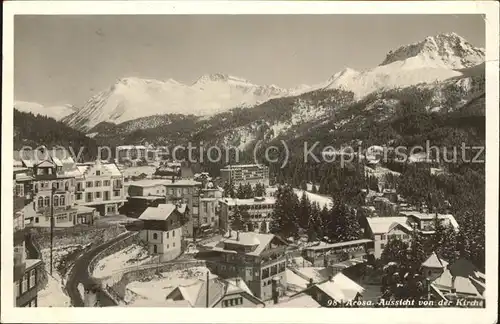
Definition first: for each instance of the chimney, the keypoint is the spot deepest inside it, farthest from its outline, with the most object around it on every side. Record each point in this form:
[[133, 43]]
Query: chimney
[[275, 292], [311, 282], [330, 278], [238, 282], [237, 235]]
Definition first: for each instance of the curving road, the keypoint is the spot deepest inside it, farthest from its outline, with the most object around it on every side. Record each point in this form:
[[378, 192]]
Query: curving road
[[80, 275]]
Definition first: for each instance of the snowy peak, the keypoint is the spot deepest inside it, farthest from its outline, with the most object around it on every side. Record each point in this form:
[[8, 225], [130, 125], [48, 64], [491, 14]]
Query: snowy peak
[[56, 112], [447, 50], [131, 98]]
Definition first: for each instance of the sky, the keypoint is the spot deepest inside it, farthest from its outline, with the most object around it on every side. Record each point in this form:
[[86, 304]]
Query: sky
[[68, 59]]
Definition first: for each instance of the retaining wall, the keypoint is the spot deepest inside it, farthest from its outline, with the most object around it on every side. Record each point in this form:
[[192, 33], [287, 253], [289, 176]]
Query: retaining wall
[[133, 238]]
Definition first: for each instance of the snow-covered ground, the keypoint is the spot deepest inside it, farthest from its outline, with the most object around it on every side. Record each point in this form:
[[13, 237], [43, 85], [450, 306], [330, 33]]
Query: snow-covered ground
[[156, 290], [320, 199], [131, 255], [53, 294]]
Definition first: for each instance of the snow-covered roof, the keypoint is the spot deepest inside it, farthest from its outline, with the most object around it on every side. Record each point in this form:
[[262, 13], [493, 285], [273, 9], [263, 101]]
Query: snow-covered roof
[[162, 212], [433, 261], [148, 183], [245, 238], [299, 301], [429, 216], [183, 182], [381, 225], [84, 209], [325, 246], [341, 288], [462, 284], [248, 202]]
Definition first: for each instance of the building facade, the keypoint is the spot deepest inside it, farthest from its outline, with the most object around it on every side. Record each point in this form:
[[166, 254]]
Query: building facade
[[209, 211], [53, 175], [100, 185], [256, 258], [260, 211], [27, 271], [179, 192], [162, 230], [245, 173]]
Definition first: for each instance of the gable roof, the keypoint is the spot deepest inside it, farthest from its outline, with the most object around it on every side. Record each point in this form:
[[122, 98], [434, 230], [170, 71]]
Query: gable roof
[[433, 261], [381, 225], [298, 301], [339, 288], [261, 240], [196, 294], [162, 212]]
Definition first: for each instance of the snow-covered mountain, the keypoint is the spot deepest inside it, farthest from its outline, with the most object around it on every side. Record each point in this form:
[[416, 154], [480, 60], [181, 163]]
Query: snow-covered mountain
[[56, 112], [131, 98], [434, 59]]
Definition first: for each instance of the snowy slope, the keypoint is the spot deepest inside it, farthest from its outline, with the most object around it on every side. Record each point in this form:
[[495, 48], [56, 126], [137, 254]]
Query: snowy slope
[[434, 59], [131, 98], [56, 112]]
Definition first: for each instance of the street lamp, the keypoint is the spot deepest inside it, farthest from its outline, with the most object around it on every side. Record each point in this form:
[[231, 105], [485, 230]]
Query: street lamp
[[52, 225]]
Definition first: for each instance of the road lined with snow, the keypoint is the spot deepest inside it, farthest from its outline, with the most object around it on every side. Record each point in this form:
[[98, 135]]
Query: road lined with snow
[[80, 275]]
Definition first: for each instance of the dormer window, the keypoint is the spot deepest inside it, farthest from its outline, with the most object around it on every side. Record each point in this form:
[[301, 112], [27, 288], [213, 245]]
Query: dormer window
[[98, 173]]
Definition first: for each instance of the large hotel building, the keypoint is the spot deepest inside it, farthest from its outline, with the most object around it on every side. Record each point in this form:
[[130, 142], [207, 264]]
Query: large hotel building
[[246, 173]]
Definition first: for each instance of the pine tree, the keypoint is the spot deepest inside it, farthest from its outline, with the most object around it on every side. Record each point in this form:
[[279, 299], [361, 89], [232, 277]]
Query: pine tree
[[304, 211], [228, 190], [240, 192], [283, 219], [237, 223], [248, 191]]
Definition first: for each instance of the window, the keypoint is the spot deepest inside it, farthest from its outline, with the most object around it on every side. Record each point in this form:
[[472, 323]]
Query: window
[[155, 248], [186, 191], [170, 191], [40, 202], [32, 278], [20, 190], [107, 183], [98, 173], [382, 245], [98, 183], [107, 195], [24, 284], [173, 244], [36, 220], [98, 194], [56, 201], [167, 234], [47, 201], [56, 183], [116, 193], [382, 237], [62, 200], [89, 197], [155, 236], [173, 234], [168, 246], [89, 184]]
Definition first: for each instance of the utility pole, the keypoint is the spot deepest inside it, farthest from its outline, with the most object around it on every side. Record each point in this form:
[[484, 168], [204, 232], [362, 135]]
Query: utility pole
[[208, 278], [52, 226]]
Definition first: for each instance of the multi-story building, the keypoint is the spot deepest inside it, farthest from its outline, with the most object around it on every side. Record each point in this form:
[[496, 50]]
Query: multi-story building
[[381, 229], [260, 210], [100, 185], [162, 230], [186, 192], [256, 258], [208, 220], [425, 222], [245, 173], [143, 194], [53, 180], [27, 271]]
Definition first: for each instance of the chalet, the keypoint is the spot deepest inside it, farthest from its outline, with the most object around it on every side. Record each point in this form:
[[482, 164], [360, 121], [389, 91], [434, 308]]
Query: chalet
[[256, 258], [161, 230], [333, 292], [215, 293], [380, 229], [323, 254]]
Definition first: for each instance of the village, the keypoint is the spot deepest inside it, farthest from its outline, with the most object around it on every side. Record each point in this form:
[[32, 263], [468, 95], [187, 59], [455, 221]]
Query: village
[[123, 233]]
